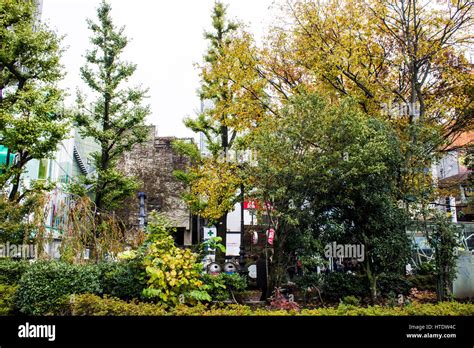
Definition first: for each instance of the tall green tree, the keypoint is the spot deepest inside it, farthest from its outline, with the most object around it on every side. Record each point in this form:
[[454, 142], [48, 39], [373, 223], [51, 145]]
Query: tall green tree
[[32, 120], [233, 110], [330, 175], [116, 118]]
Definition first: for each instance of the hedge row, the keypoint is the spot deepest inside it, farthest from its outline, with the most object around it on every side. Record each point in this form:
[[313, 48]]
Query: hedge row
[[44, 287], [93, 305]]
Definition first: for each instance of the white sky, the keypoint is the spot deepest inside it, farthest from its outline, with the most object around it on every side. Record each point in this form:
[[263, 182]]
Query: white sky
[[166, 40]]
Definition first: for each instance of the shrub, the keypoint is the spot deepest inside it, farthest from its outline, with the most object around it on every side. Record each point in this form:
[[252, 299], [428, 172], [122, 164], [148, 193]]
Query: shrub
[[12, 270], [124, 279], [44, 288], [93, 305], [308, 280], [224, 286], [391, 283], [173, 274], [423, 282], [7, 299], [338, 285], [425, 268], [351, 300]]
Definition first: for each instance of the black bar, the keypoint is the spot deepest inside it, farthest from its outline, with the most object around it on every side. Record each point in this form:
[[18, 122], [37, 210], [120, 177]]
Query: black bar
[[242, 331]]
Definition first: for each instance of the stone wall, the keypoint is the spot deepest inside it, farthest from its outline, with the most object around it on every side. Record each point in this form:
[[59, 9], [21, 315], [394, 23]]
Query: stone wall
[[153, 163]]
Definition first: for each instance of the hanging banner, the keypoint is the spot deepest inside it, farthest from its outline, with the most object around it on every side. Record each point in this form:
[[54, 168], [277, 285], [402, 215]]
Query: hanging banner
[[254, 238], [270, 236]]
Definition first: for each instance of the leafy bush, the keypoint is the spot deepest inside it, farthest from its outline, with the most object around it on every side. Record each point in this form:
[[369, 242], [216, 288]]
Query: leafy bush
[[7, 299], [423, 282], [12, 270], [172, 274], [44, 288], [425, 268], [93, 305], [309, 280], [391, 283], [351, 300], [338, 285], [124, 279], [224, 286]]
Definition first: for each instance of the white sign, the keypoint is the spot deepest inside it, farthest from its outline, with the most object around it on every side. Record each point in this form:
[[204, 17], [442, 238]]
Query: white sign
[[233, 244], [209, 232]]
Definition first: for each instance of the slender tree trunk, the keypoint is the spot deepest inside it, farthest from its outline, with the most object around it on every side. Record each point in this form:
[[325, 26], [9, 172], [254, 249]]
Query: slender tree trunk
[[15, 188], [221, 227], [372, 279]]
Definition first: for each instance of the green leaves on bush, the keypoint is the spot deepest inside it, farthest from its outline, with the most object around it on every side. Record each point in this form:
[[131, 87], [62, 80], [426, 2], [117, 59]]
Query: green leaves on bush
[[338, 285], [423, 282], [223, 286], [12, 270], [7, 299], [391, 283], [91, 305], [124, 279], [172, 274], [45, 287]]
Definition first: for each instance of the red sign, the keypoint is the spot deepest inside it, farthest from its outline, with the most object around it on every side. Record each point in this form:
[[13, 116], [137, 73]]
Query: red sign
[[257, 205], [250, 205]]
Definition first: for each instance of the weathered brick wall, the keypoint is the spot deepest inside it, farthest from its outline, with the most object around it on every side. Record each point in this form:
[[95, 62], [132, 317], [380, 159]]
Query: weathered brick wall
[[153, 163]]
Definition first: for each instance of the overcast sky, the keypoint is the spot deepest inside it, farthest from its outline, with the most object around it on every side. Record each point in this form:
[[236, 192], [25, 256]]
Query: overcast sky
[[167, 39]]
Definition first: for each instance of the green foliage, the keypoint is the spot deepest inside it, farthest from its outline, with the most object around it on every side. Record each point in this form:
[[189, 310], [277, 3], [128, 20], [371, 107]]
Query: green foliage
[[443, 240], [426, 268], [45, 287], [115, 120], [393, 283], [7, 299], [224, 286], [423, 282], [339, 167], [124, 279], [12, 270], [309, 279], [350, 300], [210, 244], [338, 285], [92, 305], [172, 274], [32, 119]]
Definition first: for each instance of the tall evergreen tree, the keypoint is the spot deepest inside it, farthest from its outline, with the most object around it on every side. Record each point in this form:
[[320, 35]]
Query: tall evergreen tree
[[116, 118]]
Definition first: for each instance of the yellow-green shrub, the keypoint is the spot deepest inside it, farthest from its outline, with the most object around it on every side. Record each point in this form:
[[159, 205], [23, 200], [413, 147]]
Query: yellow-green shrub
[[93, 305], [171, 272], [88, 304], [7, 298]]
